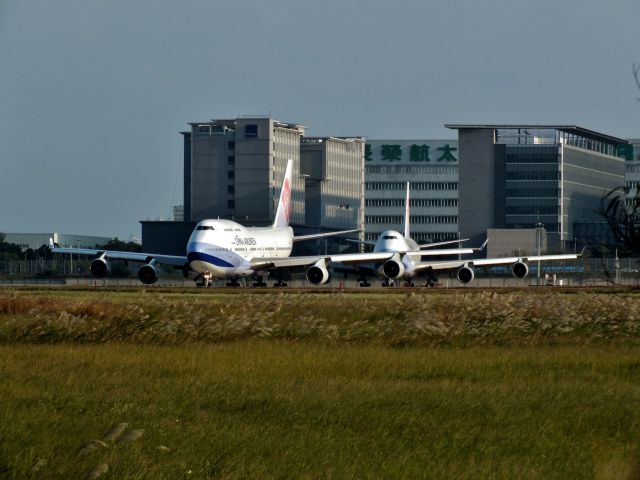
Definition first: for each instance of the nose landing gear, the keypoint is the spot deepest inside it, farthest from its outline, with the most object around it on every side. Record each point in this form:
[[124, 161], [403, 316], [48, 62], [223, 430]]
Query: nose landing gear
[[205, 279]]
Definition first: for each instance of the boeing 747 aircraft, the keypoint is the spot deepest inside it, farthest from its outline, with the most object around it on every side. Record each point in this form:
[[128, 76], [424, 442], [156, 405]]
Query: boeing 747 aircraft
[[226, 249], [407, 261]]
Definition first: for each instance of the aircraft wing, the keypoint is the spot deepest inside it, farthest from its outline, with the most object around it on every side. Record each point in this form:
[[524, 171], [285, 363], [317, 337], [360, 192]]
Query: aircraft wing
[[416, 255], [348, 258], [174, 260], [482, 262], [534, 258], [439, 244], [361, 242], [294, 262], [313, 236], [447, 251]]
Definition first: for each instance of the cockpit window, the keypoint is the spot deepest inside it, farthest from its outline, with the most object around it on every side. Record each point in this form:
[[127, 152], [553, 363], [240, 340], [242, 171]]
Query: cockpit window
[[390, 237], [204, 227]]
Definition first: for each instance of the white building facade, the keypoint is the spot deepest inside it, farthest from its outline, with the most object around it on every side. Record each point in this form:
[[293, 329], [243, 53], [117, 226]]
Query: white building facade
[[431, 168]]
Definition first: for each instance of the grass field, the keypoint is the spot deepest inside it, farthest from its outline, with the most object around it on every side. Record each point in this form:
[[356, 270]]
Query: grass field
[[319, 386]]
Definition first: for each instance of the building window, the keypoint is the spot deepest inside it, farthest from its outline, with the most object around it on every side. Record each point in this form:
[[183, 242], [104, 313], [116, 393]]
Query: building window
[[231, 160], [414, 202], [231, 145], [231, 175], [231, 204], [414, 185], [251, 131], [231, 189], [415, 219]]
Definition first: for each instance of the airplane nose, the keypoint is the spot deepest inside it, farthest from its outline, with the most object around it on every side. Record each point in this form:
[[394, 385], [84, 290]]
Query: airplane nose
[[192, 247]]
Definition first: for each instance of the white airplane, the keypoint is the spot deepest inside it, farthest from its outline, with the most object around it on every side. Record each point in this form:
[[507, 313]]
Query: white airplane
[[226, 249], [407, 261]]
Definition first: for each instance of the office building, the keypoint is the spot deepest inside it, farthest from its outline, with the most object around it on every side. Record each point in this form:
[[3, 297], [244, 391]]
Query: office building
[[233, 169], [527, 176], [333, 170], [431, 167]]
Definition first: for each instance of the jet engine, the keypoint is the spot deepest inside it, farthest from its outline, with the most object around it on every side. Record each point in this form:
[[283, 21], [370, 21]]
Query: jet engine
[[465, 274], [100, 268], [392, 269], [318, 274], [520, 269], [148, 274]]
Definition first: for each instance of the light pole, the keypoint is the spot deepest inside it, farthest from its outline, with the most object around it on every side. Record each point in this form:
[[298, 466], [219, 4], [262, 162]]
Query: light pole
[[539, 229]]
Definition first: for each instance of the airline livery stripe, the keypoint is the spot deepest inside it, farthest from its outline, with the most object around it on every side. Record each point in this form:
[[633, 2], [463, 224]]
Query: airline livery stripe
[[205, 257]]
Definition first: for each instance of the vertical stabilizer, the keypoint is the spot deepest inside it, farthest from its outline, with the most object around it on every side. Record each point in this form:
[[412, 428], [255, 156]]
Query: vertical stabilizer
[[283, 212], [407, 231]]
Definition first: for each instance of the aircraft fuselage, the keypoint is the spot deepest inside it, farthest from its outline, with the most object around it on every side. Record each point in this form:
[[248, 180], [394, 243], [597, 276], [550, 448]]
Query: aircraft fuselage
[[225, 248]]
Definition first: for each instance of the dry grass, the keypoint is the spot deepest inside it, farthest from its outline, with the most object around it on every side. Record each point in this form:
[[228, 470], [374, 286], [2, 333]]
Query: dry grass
[[393, 319], [182, 384]]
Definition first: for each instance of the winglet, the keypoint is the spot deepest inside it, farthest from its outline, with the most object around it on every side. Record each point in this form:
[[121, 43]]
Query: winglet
[[283, 212], [484, 245]]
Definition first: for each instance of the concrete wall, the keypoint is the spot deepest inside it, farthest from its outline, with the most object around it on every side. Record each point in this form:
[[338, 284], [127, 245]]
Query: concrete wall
[[237, 166], [169, 238], [518, 242], [586, 177], [476, 184], [209, 174], [253, 167], [333, 169]]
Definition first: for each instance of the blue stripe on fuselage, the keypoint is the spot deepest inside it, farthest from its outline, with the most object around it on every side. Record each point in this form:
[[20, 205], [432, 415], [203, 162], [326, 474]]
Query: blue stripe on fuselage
[[195, 252], [205, 257]]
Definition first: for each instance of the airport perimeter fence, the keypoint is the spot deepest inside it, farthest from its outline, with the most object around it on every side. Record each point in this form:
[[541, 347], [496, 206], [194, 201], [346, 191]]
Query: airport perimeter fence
[[585, 272]]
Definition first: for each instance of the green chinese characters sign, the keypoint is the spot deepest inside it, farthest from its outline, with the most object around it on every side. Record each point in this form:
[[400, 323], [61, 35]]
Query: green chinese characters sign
[[376, 150]]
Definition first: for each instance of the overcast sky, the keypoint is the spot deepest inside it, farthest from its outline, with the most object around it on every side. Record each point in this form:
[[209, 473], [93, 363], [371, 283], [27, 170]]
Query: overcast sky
[[94, 93]]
